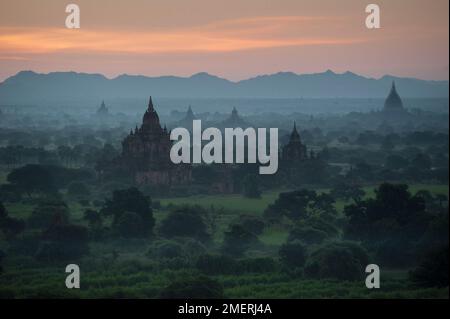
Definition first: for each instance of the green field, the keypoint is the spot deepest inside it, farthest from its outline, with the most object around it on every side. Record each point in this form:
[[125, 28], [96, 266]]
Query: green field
[[241, 204]]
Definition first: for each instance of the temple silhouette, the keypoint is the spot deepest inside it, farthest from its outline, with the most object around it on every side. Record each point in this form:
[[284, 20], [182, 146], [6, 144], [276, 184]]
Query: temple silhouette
[[146, 154], [294, 150], [393, 104]]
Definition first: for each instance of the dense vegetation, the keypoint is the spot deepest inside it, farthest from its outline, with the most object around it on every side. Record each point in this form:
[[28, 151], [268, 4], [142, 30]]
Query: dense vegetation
[[307, 232]]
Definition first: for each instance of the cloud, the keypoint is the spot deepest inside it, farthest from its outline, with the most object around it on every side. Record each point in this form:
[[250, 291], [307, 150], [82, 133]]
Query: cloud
[[221, 36], [12, 58]]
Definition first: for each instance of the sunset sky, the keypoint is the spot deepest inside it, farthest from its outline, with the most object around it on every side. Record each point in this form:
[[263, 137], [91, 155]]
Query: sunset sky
[[234, 39]]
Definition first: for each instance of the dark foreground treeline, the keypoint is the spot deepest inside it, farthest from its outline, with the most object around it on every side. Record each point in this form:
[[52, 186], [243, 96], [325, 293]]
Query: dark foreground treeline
[[188, 251]]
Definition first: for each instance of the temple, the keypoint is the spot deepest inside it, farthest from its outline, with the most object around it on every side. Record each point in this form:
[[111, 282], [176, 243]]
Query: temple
[[146, 153], [393, 103], [294, 150], [186, 121], [234, 120], [102, 110]]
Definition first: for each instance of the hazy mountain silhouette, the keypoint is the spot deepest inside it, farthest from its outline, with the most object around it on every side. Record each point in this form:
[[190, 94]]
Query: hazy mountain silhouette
[[28, 87]]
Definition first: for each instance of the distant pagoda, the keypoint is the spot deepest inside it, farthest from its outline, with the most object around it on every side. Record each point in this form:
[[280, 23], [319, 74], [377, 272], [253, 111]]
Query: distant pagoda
[[186, 121], [189, 115], [393, 103], [234, 120], [102, 110], [294, 150]]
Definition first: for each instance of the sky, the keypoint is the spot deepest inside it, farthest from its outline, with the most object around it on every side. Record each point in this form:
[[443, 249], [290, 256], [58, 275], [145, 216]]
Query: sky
[[233, 39]]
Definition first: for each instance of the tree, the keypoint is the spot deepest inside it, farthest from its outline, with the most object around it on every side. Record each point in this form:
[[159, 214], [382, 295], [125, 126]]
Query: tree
[[95, 221], [185, 222], [216, 264], [251, 188], [433, 270], [421, 161], [32, 179], [441, 198], [293, 254], [78, 189], [237, 240], [48, 212], [165, 249], [10, 193], [294, 205], [3, 212], [62, 242], [198, 287], [396, 162], [2, 255], [308, 235], [387, 144], [10, 226], [65, 154], [253, 224], [130, 200], [392, 224], [347, 191], [301, 204], [338, 260], [130, 224], [93, 217]]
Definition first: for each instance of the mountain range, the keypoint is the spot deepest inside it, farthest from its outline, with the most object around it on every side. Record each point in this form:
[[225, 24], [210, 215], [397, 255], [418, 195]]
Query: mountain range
[[28, 87]]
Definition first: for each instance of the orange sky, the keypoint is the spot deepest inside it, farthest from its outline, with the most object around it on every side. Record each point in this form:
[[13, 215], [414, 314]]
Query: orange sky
[[233, 39]]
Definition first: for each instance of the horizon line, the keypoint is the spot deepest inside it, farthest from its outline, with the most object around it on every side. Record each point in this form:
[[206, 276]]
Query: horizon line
[[327, 71]]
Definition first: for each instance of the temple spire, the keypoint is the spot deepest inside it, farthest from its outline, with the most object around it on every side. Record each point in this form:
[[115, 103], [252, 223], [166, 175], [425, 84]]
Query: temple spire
[[393, 89], [150, 105], [393, 101], [294, 135]]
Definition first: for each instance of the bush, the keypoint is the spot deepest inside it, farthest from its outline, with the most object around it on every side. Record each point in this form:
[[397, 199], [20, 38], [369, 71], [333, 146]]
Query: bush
[[10, 226], [433, 270], [27, 244], [193, 248], [399, 252], [307, 235], [63, 242], [124, 202], [216, 264], [10, 193], [165, 249], [78, 189], [200, 287], [293, 254], [2, 255], [338, 260], [48, 212], [251, 187], [184, 222], [130, 225], [237, 240], [84, 202], [253, 224], [257, 265]]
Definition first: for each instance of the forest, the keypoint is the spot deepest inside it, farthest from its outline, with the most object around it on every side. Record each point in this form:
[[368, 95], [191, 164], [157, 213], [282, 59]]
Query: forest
[[359, 196]]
